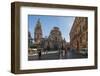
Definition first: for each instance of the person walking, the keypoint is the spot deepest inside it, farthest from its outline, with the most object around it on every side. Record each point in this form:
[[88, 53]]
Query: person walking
[[39, 54]]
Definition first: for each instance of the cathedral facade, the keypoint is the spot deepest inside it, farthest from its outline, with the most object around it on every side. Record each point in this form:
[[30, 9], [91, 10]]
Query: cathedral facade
[[54, 41]]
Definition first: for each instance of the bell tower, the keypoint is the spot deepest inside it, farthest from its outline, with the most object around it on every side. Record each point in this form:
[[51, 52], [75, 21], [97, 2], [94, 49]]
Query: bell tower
[[38, 32]]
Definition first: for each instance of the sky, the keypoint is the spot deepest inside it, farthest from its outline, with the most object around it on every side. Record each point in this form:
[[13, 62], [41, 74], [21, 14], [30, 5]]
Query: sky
[[48, 22]]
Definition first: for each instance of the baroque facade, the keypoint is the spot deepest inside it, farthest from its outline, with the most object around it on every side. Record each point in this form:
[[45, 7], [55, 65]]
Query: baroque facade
[[79, 33], [53, 42]]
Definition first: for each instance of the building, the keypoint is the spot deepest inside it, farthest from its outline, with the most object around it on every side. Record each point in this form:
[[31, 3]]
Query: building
[[79, 33], [68, 45], [30, 43], [38, 32], [53, 42]]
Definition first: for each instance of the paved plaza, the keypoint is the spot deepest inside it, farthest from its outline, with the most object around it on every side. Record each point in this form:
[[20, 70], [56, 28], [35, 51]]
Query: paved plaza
[[53, 55]]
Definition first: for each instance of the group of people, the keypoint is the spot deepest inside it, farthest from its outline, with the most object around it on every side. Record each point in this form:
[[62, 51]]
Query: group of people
[[61, 52]]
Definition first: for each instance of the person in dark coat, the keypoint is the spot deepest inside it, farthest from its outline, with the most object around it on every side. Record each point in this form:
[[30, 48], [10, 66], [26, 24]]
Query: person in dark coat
[[39, 54]]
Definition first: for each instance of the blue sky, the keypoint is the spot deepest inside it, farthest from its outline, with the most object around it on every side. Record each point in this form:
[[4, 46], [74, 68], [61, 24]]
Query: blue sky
[[48, 22]]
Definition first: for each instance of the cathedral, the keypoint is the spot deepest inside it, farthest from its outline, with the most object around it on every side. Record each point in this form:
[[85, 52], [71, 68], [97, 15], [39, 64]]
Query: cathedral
[[54, 41]]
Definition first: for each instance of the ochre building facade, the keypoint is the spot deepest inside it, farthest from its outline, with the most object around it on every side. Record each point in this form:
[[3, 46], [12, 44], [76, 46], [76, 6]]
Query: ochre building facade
[[79, 33]]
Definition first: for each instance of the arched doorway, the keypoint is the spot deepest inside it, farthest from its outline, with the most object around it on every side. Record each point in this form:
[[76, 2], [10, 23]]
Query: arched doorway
[[55, 46]]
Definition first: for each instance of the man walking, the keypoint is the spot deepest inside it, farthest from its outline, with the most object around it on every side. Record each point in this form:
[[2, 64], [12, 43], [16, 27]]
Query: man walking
[[39, 54]]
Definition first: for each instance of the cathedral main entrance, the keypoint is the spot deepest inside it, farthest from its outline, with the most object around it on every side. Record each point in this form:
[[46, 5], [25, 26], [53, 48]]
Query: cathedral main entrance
[[56, 46]]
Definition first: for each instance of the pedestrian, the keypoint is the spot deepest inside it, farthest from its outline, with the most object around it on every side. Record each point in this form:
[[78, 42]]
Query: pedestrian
[[39, 54], [46, 50], [60, 54], [66, 50]]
